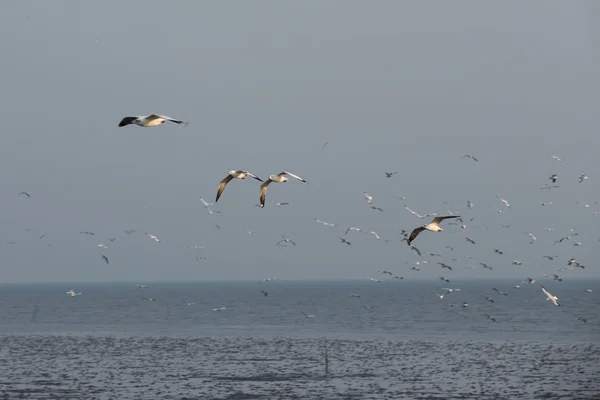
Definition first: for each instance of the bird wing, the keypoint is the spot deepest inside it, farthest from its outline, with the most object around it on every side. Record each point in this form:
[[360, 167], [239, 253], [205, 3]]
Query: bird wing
[[437, 220], [415, 249], [222, 185], [415, 233], [253, 176], [127, 121], [292, 175], [154, 116], [547, 293], [263, 192]]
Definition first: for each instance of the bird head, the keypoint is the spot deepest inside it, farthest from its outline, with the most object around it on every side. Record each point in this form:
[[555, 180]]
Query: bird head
[[284, 179], [440, 229]]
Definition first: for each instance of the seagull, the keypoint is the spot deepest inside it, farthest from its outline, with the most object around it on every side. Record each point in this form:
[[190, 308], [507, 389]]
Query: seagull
[[484, 265], [415, 213], [533, 238], [553, 178], [324, 223], [207, 205], [489, 299], [375, 234], [517, 286], [281, 204], [551, 258], [577, 244], [499, 292], [325, 144], [129, 231], [239, 174], [557, 158], [469, 204], [582, 177], [352, 228], [488, 316], [530, 281], [416, 250], [148, 121], [506, 204], [444, 279], [87, 233], [557, 278], [465, 305], [564, 238], [588, 290], [469, 156], [307, 315], [24, 194], [376, 280], [102, 246], [383, 271], [498, 251], [546, 187], [141, 286], [285, 240], [72, 293], [149, 298], [265, 294], [470, 240], [398, 277], [198, 258], [450, 290], [345, 241], [377, 208], [517, 262], [220, 309], [355, 295], [369, 198], [279, 178], [390, 174], [271, 278], [112, 239], [152, 237], [441, 296], [105, 259], [582, 319], [445, 265], [552, 298], [433, 226]]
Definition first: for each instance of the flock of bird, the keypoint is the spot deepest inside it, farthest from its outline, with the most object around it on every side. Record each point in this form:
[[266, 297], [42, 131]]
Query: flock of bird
[[433, 226]]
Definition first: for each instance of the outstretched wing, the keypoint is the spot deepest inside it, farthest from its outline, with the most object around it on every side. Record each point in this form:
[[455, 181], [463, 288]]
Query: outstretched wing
[[437, 220], [253, 176], [222, 185], [177, 121], [293, 176], [414, 234], [263, 192], [127, 121]]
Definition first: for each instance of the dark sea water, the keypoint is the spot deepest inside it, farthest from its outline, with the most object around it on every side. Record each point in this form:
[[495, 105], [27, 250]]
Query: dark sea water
[[398, 340]]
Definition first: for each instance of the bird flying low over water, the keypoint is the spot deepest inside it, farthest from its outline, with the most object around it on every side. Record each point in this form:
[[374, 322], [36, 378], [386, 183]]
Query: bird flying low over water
[[152, 237], [148, 120], [239, 174], [105, 259], [470, 156], [279, 178], [433, 226], [24, 194], [550, 297]]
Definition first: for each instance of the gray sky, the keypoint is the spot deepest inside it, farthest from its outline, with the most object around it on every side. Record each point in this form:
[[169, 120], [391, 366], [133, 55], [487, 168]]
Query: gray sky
[[394, 86]]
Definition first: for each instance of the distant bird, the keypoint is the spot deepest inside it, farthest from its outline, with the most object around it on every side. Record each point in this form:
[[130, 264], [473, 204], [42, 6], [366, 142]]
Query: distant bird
[[235, 174], [72, 293], [517, 286], [390, 174], [484, 265], [141, 286], [377, 208], [530, 281], [533, 238], [497, 251], [11, 242], [383, 271], [271, 278], [207, 205], [470, 156], [588, 290], [355, 295], [400, 277], [281, 204], [152, 237], [87, 233], [550, 297], [307, 315], [325, 144], [149, 298], [489, 299], [488, 316], [129, 231], [286, 240], [345, 241], [470, 240], [444, 279], [369, 198], [433, 226], [449, 290], [198, 258], [102, 246], [499, 292], [376, 280], [352, 228], [465, 305], [416, 214], [279, 178], [24, 194], [469, 204], [557, 278], [445, 266], [517, 262], [582, 177], [551, 258], [105, 259], [563, 238], [375, 234], [506, 203], [553, 178], [148, 121], [441, 296], [582, 319], [578, 244], [220, 309], [265, 294], [557, 158], [112, 239], [324, 223], [547, 187]]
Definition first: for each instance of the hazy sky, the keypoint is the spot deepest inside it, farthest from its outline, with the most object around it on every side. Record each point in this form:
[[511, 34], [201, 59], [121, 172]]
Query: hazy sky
[[394, 86]]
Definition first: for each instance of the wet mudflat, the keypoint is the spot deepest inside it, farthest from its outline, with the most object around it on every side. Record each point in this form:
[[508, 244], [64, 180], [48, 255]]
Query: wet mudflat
[[95, 367]]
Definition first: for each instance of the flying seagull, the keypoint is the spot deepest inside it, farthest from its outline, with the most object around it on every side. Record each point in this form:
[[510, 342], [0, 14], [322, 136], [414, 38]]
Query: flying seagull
[[550, 297], [369, 198], [444, 265], [105, 259], [352, 228], [582, 177], [557, 158], [324, 223], [469, 156], [553, 178], [279, 178], [307, 315], [152, 237], [148, 121], [87, 233], [285, 240], [72, 293], [433, 226], [470, 240], [345, 241], [499, 292], [239, 174], [390, 174], [24, 194]]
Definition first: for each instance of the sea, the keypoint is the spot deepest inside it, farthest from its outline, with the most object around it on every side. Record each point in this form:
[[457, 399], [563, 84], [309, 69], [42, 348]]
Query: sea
[[351, 339]]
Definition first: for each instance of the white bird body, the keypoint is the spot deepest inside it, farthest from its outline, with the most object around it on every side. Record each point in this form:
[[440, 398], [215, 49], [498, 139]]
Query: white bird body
[[369, 198], [237, 174], [153, 237], [72, 293], [550, 296], [147, 121]]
